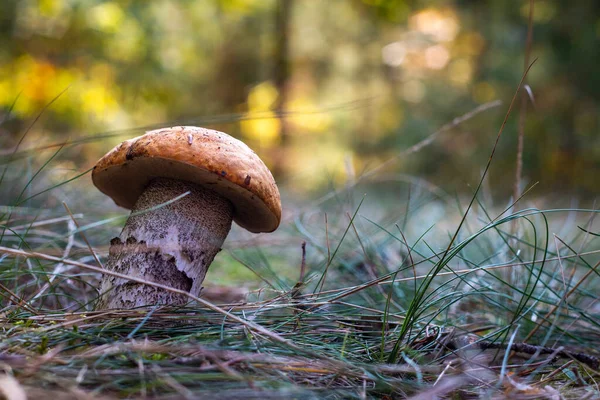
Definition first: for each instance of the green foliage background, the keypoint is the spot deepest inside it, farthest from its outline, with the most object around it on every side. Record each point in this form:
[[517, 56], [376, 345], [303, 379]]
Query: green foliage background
[[360, 81]]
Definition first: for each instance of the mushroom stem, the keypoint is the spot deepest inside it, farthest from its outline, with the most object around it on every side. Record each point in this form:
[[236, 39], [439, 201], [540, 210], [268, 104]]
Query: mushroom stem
[[173, 245]]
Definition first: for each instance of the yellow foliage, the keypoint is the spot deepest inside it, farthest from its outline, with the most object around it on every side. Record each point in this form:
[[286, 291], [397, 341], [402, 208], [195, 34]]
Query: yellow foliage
[[264, 129], [261, 124], [245, 6], [37, 82], [306, 117], [50, 8], [106, 17], [262, 97]]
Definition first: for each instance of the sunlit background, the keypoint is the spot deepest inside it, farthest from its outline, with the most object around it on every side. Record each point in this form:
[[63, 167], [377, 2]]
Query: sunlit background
[[323, 90]]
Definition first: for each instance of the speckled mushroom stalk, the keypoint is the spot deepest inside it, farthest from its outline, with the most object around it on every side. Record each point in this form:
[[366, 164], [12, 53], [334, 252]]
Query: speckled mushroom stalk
[[174, 242], [172, 245]]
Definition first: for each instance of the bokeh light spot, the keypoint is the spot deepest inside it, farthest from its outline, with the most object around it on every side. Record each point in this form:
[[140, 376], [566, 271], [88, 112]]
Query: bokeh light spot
[[437, 57]]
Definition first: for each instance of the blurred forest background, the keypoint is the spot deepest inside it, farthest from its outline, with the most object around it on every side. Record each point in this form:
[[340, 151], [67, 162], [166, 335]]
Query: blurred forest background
[[322, 89]]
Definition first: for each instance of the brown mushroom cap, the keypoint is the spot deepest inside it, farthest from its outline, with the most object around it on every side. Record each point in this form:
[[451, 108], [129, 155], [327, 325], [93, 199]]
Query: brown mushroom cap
[[206, 157]]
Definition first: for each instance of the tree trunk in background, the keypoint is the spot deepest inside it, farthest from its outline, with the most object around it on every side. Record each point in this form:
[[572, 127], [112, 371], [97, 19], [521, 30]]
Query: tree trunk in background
[[281, 76]]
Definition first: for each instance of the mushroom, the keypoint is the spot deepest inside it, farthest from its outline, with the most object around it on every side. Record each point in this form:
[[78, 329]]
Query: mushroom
[[169, 238]]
